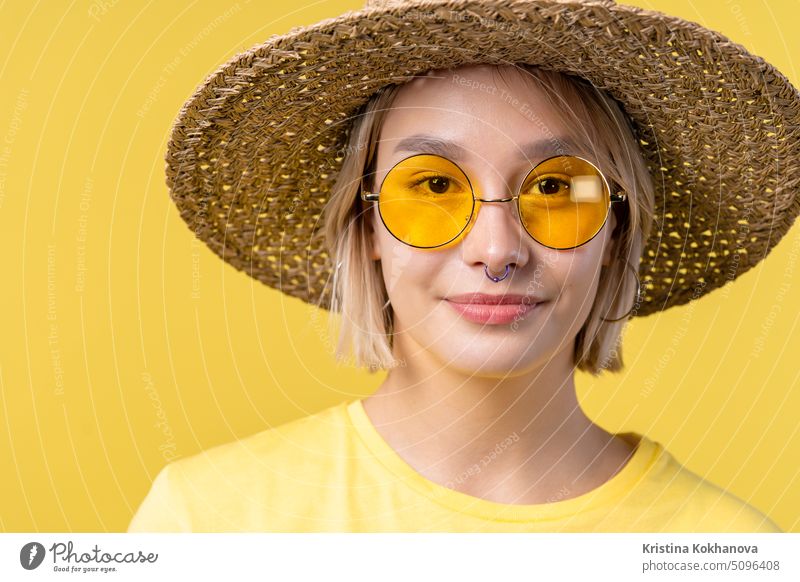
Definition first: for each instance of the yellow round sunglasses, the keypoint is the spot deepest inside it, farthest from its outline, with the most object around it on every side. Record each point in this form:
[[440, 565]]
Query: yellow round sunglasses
[[427, 201]]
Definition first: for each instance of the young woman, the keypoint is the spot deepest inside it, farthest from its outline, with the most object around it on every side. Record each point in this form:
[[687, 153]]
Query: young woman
[[486, 228]]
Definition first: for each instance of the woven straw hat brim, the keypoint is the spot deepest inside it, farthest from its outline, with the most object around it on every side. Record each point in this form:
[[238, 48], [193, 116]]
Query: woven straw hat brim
[[254, 152]]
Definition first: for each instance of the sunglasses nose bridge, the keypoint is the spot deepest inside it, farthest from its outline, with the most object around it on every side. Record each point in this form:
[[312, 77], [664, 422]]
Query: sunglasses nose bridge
[[500, 202], [509, 199]]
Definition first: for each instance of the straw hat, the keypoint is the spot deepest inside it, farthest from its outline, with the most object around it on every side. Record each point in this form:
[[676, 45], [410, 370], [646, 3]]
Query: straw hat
[[256, 149]]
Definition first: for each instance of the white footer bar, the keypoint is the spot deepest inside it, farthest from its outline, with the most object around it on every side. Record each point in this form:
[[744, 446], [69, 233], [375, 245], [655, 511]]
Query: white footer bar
[[400, 557]]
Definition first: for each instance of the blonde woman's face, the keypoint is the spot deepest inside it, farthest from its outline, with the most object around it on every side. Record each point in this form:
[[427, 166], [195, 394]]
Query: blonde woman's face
[[491, 121]]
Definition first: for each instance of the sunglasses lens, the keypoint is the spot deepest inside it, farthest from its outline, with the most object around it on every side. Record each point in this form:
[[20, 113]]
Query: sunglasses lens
[[564, 202], [426, 201]]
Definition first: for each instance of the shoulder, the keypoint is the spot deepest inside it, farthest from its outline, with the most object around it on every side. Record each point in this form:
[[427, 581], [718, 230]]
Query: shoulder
[[690, 503], [302, 441], [252, 483]]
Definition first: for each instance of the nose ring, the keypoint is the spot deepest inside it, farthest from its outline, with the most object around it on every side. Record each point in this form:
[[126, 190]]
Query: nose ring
[[492, 277]]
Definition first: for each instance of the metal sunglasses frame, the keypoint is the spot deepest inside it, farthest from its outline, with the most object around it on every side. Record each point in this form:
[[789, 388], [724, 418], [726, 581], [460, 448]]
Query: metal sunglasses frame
[[617, 194]]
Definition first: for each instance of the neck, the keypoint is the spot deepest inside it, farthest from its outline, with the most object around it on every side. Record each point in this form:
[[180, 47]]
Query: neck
[[443, 421]]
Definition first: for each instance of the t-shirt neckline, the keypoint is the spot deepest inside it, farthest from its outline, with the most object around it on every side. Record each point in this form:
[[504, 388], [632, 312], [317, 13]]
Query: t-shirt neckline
[[642, 459]]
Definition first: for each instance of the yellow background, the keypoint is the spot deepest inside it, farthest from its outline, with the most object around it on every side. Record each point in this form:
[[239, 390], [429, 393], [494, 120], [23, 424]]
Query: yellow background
[[125, 343]]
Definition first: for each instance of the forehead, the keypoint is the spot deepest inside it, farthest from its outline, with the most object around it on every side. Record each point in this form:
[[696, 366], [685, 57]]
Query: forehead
[[472, 113]]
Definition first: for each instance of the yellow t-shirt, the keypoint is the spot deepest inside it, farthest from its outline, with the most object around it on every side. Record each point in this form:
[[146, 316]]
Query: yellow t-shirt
[[332, 471]]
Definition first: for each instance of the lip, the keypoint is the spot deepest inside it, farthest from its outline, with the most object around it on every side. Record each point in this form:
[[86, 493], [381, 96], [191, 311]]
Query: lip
[[487, 299], [493, 309]]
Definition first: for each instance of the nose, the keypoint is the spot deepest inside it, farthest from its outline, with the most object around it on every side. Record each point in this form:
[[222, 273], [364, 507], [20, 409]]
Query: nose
[[497, 237]]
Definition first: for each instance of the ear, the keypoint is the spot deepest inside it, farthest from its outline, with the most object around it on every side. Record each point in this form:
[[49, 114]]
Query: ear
[[609, 245]]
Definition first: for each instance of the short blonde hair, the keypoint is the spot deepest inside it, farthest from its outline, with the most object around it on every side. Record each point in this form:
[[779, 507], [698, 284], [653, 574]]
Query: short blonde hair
[[358, 291]]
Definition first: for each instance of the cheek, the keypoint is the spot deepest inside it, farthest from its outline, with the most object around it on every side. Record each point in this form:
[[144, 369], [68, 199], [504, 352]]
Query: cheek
[[577, 274], [406, 270], [411, 276], [398, 264]]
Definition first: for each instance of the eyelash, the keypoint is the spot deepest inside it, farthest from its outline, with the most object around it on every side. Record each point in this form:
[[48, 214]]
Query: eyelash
[[423, 180]]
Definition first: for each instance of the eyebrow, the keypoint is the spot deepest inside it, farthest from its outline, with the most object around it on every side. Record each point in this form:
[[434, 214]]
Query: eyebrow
[[531, 151]]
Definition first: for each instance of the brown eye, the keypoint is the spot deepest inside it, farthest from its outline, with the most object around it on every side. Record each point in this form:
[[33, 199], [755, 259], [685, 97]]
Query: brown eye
[[436, 184], [439, 185], [550, 186]]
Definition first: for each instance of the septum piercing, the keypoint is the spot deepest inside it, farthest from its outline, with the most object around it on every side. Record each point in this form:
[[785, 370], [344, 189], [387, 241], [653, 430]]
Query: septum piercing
[[492, 277]]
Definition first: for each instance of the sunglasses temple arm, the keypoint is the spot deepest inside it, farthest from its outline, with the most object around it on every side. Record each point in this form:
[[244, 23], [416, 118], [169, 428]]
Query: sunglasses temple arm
[[368, 196]]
